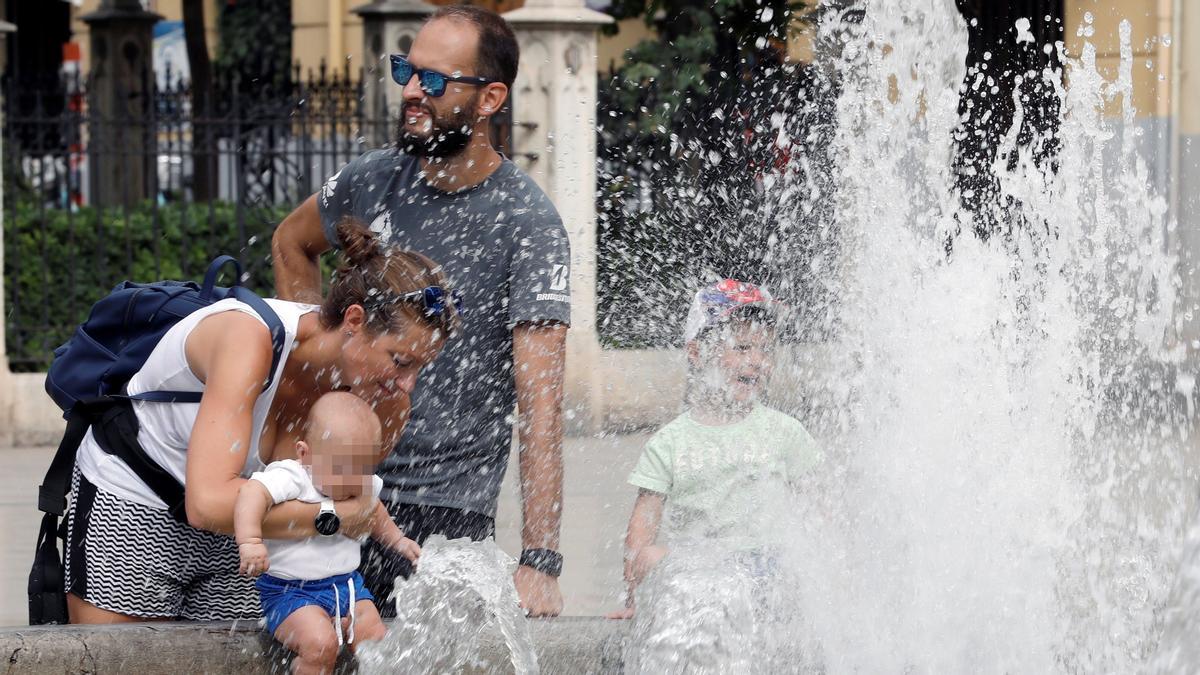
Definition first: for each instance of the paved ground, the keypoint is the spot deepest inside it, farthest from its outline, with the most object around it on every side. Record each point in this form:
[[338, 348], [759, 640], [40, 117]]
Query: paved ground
[[596, 510]]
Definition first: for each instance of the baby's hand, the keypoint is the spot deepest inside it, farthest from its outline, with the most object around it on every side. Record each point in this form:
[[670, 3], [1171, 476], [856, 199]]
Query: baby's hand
[[254, 558], [408, 548]]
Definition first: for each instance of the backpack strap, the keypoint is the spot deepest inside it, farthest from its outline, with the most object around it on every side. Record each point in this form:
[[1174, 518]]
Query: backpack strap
[[208, 287], [115, 428], [116, 431], [274, 325], [46, 591], [52, 493]]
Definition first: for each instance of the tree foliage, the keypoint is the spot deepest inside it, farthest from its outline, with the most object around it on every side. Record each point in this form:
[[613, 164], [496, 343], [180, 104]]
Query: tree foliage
[[701, 50], [255, 48], [58, 262]]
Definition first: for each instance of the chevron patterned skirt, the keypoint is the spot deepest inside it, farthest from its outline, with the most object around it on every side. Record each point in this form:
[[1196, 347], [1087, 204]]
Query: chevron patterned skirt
[[136, 560]]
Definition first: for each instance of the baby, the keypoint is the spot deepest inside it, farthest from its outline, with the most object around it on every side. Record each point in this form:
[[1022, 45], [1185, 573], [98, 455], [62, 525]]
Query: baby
[[313, 582]]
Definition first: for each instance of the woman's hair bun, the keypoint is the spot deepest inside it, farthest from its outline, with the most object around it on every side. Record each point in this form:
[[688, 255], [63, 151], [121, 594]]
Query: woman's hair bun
[[386, 281], [359, 245]]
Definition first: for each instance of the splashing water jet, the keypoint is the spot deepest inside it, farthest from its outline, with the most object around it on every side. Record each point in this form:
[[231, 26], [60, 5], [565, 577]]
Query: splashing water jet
[[460, 598], [1011, 413], [1006, 400]]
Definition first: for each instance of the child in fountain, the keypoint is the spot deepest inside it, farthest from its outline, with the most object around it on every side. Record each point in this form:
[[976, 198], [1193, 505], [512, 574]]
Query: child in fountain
[[715, 473], [314, 599]]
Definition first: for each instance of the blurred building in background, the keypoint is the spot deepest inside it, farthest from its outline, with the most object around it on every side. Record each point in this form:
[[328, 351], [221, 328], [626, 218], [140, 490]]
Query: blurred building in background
[[322, 30]]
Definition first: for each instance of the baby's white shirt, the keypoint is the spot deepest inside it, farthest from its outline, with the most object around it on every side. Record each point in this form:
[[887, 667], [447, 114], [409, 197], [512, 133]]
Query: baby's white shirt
[[316, 557]]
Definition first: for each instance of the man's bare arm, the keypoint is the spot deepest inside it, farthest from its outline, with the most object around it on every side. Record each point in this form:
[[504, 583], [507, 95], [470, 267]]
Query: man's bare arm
[[296, 248], [539, 357], [539, 353]]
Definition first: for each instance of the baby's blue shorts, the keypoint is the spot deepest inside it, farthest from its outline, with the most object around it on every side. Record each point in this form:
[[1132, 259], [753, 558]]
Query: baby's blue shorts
[[281, 597]]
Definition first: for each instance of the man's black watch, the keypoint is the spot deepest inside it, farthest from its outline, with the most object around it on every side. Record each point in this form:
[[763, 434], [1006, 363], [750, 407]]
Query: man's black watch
[[543, 560], [327, 521]]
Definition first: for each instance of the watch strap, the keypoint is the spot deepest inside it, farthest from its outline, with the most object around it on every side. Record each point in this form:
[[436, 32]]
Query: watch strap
[[544, 560]]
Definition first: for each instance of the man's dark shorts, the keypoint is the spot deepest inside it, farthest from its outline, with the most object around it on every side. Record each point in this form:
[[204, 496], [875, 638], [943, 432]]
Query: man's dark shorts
[[380, 566]]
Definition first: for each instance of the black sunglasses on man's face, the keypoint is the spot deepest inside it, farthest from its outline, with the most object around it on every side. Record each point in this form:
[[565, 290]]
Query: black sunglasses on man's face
[[432, 82]]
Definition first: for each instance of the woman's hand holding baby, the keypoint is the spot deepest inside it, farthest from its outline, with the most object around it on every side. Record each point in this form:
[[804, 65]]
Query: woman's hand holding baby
[[254, 559], [357, 515]]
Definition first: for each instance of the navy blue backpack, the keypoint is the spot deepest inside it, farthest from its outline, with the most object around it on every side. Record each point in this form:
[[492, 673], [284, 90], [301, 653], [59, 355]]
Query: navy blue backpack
[[87, 380]]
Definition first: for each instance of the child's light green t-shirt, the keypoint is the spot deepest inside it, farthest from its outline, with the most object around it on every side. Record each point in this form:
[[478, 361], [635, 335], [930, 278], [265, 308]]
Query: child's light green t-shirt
[[725, 481]]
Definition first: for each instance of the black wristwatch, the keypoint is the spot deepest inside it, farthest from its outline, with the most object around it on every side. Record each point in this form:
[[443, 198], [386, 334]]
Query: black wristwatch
[[543, 560], [327, 521]]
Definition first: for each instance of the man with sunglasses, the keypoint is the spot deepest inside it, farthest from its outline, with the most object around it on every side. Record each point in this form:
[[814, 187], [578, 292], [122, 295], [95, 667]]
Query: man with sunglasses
[[444, 191]]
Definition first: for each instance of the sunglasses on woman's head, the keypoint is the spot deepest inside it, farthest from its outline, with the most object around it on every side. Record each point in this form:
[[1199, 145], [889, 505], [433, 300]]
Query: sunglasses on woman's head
[[432, 82], [433, 299]]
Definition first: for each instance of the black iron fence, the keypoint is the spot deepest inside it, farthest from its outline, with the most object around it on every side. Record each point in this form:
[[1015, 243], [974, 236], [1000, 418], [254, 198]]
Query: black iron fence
[[264, 145], [154, 190]]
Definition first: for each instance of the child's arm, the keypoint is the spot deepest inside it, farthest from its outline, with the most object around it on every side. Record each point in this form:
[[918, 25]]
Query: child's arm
[[641, 555], [253, 500], [386, 532], [643, 530]]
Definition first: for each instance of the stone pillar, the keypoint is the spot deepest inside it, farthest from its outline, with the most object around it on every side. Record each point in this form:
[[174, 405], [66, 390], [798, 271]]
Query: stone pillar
[[1186, 39], [389, 27], [554, 141], [6, 438], [121, 160]]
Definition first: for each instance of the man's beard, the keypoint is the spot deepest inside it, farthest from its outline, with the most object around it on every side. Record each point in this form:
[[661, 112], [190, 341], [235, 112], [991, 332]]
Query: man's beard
[[448, 134]]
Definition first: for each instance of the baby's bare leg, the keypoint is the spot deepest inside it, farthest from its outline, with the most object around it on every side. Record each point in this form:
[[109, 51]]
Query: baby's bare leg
[[367, 624], [309, 632]]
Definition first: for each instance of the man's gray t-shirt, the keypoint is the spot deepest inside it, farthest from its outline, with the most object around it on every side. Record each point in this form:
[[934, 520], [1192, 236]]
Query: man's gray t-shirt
[[503, 245]]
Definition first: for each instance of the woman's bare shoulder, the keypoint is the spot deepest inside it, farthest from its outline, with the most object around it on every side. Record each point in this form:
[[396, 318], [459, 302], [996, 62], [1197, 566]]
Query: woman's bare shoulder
[[231, 336]]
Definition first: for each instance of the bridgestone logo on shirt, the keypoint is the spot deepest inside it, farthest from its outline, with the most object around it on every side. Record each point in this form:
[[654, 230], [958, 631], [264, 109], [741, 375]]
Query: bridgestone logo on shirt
[[556, 297], [558, 278]]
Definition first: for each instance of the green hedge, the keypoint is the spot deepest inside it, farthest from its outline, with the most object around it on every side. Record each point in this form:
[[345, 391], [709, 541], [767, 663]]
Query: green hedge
[[57, 263]]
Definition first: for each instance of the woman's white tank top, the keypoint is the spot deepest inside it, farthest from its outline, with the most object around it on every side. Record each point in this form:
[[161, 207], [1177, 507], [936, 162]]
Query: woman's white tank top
[[166, 427]]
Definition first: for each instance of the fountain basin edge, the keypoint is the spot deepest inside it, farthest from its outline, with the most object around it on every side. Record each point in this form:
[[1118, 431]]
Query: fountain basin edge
[[563, 645]]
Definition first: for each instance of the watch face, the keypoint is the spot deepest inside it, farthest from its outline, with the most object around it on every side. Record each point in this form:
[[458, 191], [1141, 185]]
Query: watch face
[[327, 523]]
